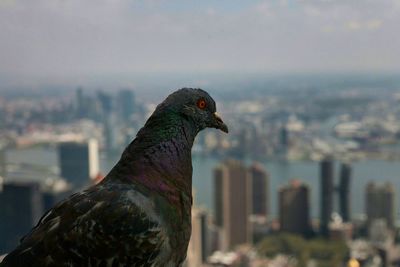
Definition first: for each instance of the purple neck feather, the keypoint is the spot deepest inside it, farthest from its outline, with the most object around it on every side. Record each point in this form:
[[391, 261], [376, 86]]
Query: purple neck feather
[[164, 167]]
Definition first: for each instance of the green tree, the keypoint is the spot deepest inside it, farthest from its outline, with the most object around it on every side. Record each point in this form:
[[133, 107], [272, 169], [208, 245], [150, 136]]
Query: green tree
[[325, 253]]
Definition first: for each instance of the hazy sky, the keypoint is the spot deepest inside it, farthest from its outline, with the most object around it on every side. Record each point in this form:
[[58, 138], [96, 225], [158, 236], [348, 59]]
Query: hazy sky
[[64, 38]]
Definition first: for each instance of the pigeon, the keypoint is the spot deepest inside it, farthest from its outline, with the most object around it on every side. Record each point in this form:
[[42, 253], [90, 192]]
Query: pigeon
[[140, 213]]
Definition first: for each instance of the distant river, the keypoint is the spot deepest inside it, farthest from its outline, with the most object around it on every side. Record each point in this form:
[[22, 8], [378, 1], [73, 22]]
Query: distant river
[[280, 173]]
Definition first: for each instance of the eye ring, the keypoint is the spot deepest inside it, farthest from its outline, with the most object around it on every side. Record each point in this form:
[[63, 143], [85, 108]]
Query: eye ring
[[201, 104]]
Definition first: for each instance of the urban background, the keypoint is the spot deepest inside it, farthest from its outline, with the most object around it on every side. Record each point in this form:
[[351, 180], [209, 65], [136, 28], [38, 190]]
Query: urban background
[[309, 174], [306, 177]]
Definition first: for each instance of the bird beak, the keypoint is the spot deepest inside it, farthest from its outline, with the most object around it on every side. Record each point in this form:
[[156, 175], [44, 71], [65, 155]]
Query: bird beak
[[219, 124]]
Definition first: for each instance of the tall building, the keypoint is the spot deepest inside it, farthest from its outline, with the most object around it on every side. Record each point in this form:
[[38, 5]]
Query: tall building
[[105, 100], [232, 203], [80, 105], [3, 162], [126, 103], [199, 245], [294, 208], [344, 192], [21, 206], [79, 162], [284, 137], [218, 195], [259, 181], [327, 190], [104, 106], [380, 203], [111, 131]]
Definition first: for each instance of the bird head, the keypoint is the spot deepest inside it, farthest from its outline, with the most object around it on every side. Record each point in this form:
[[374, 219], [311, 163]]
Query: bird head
[[194, 105]]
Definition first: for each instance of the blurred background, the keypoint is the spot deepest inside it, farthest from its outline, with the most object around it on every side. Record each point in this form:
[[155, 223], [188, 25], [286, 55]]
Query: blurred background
[[309, 174]]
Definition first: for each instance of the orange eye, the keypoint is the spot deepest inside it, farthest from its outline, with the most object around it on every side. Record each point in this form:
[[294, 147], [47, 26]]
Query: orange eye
[[201, 104]]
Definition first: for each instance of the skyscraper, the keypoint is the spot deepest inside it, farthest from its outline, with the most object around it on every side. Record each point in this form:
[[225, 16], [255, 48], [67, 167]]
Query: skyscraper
[[259, 181], [199, 245], [111, 131], [106, 102], [3, 162], [79, 162], [283, 137], [294, 209], [21, 206], [126, 103], [232, 203], [380, 203], [80, 105], [344, 191], [327, 189], [218, 195]]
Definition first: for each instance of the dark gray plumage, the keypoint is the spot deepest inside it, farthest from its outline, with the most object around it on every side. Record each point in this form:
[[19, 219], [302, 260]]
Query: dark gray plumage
[[140, 214]]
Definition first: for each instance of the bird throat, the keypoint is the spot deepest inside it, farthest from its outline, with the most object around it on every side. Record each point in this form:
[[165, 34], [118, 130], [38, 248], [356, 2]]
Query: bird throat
[[159, 159]]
